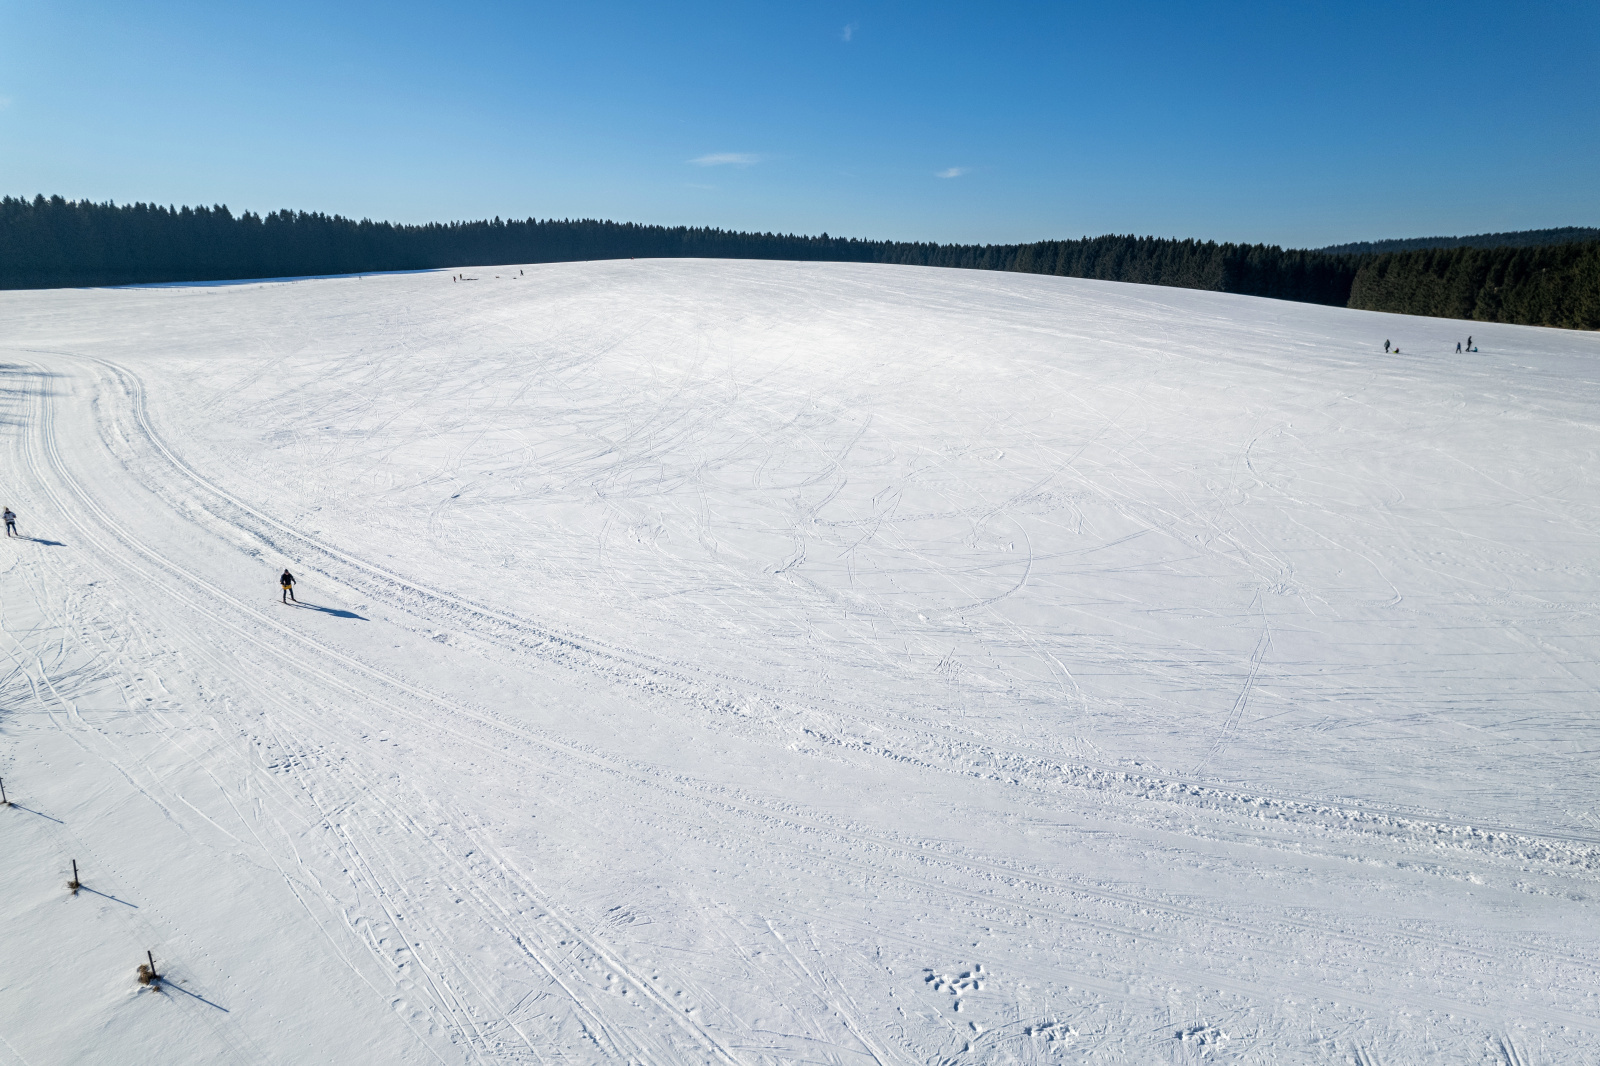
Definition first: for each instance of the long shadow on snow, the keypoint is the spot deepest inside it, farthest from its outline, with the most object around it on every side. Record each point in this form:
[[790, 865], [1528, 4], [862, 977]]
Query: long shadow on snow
[[331, 610], [17, 806], [167, 982], [107, 895], [12, 397], [23, 370]]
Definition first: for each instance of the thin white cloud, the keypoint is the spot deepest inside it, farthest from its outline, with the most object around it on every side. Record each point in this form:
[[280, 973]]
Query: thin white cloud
[[848, 33], [951, 172], [726, 159]]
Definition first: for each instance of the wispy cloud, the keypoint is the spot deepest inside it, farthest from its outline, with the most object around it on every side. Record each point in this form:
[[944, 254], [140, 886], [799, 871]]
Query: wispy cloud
[[726, 159], [951, 172], [849, 32]]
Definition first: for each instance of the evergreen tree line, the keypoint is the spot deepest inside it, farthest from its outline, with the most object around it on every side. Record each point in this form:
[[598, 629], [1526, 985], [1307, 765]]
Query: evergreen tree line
[[1525, 238], [49, 243], [1549, 285]]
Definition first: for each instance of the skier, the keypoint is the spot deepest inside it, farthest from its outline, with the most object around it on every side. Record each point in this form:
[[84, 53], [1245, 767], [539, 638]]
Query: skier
[[11, 523], [1386, 347], [287, 581]]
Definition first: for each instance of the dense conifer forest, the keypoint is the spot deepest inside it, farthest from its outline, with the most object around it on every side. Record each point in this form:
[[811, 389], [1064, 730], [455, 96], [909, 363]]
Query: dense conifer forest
[[50, 243], [1527, 238], [1549, 285]]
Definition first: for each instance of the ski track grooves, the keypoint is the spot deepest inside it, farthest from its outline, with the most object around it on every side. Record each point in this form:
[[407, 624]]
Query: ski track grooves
[[631, 667], [618, 664], [643, 672], [622, 662], [86, 503], [640, 669]]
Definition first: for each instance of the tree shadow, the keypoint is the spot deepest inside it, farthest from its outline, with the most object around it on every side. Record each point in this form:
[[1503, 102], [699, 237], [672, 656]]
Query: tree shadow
[[217, 283], [14, 394]]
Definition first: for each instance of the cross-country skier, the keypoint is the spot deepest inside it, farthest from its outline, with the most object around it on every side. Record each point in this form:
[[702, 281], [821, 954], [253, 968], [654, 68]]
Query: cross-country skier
[[11, 523], [287, 581]]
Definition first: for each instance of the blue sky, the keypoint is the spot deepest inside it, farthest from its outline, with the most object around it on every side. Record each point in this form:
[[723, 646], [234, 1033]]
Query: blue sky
[[1298, 124]]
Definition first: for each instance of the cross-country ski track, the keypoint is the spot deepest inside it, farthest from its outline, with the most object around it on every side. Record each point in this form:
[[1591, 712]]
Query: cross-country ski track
[[741, 662]]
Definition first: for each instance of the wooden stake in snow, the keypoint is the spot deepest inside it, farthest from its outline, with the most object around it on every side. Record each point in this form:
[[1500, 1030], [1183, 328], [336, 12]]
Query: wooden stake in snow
[[147, 974], [3, 801], [73, 884]]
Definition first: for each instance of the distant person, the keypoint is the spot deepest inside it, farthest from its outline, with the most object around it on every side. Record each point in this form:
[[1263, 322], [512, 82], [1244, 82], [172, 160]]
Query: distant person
[[1458, 347], [287, 581], [1469, 344], [11, 523], [1386, 347]]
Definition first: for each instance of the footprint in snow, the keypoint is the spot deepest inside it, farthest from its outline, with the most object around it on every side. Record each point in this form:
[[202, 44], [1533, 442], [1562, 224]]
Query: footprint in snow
[[1201, 1034]]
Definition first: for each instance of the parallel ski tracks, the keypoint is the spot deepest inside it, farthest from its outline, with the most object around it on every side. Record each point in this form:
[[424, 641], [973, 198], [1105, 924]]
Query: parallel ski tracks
[[621, 1045], [620, 661], [44, 421], [636, 667]]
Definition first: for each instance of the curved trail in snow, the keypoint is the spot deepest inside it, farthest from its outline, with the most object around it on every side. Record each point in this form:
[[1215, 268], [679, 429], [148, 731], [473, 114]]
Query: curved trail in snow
[[720, 691], [121, 552], [446, 973], [483, 836]]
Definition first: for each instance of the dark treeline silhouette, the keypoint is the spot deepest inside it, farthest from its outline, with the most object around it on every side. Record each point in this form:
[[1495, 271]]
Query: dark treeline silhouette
[[1527, 238], [56, 242], [48, 243], [1550, 285]]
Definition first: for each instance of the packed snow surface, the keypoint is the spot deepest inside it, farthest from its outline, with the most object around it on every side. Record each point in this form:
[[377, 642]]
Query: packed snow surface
[[730, 662]]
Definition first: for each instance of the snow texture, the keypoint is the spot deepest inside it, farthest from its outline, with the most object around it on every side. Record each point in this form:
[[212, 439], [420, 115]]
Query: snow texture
[[731, 662]]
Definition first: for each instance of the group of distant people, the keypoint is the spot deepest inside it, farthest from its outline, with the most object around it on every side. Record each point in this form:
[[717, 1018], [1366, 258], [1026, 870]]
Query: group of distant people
[[463, 277], [1395, 349]]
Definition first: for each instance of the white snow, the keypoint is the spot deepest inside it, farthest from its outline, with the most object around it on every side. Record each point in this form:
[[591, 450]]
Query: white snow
[[764, 662]]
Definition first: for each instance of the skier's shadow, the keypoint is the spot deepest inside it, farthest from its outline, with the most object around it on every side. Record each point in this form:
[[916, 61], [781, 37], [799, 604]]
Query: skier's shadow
[[330, 610], [50, 543]]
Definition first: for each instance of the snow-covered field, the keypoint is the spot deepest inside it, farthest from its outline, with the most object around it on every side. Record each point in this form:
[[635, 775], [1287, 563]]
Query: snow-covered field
[[763, 662]]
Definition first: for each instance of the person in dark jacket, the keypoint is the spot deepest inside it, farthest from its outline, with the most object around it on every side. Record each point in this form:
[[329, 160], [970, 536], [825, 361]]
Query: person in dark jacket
[[287, 582]]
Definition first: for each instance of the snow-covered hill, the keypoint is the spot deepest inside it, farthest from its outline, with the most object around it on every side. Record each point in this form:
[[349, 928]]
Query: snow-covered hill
[[766, 662]]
